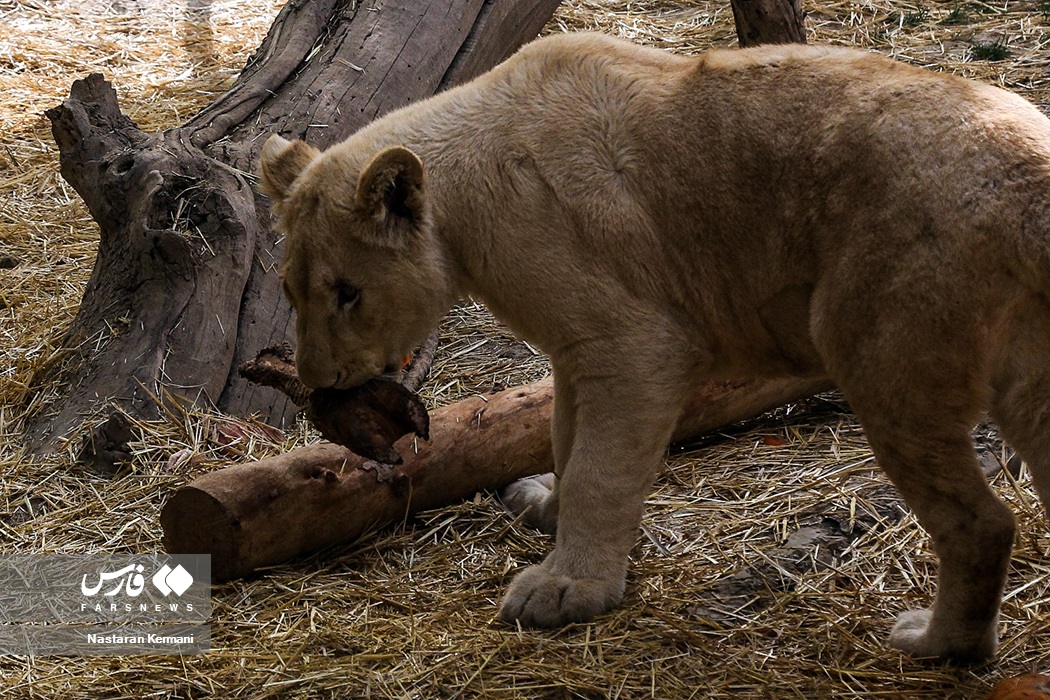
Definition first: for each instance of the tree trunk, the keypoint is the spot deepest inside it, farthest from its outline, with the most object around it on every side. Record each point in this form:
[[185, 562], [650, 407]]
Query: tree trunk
[[184, 287], [253, 515], [768, 22]]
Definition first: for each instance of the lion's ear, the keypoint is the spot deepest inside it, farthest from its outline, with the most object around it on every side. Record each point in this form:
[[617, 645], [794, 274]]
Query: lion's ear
[[390, 188], [280, 163]]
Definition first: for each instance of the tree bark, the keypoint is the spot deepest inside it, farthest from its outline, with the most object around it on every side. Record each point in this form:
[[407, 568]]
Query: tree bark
[[768, 22], [184, 286], [253, 515]]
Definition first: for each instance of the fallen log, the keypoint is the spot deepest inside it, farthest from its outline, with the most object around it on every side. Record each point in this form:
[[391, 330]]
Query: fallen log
[[267, 512]]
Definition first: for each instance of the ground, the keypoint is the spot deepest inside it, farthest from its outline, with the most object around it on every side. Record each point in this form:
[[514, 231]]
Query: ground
[[773, 557]]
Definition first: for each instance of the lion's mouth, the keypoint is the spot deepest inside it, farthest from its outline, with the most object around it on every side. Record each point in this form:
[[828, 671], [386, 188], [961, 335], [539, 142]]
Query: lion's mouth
[[395, 366]]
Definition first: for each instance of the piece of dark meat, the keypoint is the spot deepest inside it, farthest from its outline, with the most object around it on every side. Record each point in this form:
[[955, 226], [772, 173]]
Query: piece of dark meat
[[368, 419]]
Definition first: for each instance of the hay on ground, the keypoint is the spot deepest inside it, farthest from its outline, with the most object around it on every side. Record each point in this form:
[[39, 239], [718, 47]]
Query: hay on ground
[[721, 600]]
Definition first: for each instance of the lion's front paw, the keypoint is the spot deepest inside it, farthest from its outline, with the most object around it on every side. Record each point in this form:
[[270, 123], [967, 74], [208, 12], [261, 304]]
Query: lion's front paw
[[540, 598], [916, 634], [531, 496]]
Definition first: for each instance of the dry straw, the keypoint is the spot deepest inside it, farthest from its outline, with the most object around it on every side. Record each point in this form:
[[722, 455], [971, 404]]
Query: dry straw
[[772, 558]]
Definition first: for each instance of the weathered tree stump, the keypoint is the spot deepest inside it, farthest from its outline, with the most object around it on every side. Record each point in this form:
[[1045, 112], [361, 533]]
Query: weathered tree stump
[[768, 22], [184, 287]]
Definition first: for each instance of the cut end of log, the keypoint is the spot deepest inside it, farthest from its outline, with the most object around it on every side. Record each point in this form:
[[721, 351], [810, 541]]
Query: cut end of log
[[196, 522]]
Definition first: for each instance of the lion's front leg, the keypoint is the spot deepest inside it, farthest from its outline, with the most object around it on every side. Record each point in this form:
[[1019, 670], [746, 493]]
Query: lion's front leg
[[620, 433]]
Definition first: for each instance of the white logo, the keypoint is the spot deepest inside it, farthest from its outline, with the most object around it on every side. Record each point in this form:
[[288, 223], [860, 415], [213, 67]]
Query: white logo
[[166, 580]]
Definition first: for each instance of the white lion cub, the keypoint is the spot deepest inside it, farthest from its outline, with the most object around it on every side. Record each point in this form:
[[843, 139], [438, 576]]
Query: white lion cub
[[652, 221]]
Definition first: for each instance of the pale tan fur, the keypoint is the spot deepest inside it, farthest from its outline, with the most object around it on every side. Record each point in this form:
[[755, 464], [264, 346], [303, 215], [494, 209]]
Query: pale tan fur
[[652, 221]]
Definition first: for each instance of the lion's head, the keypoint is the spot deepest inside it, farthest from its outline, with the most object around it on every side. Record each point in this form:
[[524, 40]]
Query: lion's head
[[362, 266]]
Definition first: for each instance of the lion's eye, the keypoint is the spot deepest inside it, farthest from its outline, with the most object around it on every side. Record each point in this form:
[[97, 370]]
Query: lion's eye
[[346, 295]]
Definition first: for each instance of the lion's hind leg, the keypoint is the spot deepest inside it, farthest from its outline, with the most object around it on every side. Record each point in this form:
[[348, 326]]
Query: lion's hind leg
[[918, 381], [930, 459], [535, 498], [1021, 390]]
